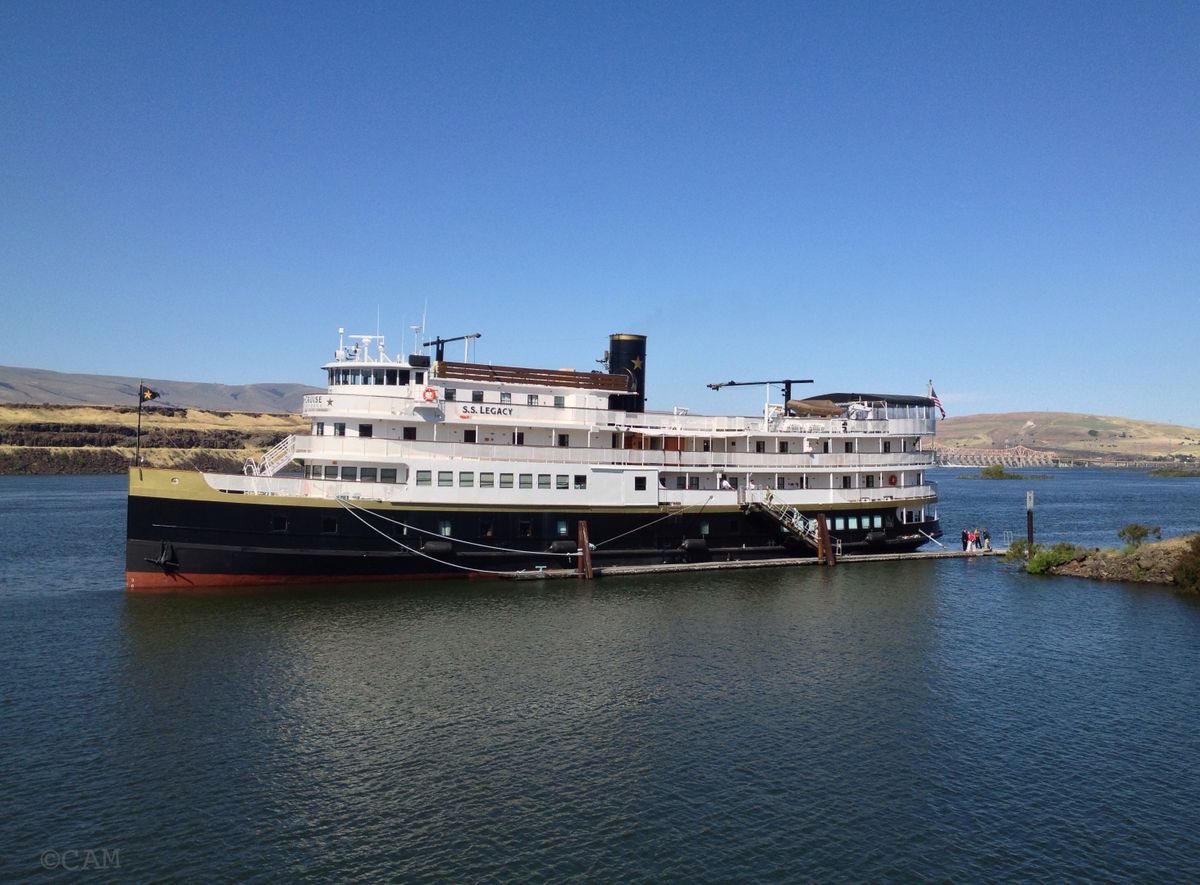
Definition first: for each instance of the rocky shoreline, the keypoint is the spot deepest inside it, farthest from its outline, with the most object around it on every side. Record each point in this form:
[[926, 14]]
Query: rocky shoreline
[[1155, 563]]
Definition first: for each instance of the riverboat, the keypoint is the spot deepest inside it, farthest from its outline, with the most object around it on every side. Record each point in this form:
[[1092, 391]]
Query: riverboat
[[422, 467]]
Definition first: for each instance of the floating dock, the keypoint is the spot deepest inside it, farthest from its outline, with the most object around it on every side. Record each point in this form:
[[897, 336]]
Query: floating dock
[[672, 567]]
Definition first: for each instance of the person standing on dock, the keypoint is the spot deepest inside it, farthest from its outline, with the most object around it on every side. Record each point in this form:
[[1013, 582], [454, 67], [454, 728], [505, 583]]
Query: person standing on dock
[[987, 540], [965, 540]]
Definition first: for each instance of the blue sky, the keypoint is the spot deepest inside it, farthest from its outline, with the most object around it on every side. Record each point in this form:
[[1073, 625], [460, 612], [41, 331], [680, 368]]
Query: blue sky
[[1003, 197]]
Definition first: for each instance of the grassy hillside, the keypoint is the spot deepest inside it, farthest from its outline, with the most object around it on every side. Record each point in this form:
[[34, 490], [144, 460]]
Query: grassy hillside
[[1069, 433], [34, 386], [102, 439]]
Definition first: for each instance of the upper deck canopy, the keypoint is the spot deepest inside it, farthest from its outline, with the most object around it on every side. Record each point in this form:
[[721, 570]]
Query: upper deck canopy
[[446, 370]]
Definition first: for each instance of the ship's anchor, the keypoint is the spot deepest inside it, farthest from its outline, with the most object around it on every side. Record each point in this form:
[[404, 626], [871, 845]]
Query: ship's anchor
[[166, 558]]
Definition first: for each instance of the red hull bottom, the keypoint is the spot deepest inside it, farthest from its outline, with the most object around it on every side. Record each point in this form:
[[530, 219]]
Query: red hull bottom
[[182, 582]]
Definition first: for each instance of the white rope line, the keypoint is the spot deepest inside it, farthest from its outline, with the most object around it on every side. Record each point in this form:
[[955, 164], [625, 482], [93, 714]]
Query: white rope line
[[647, 525], [465, 568], [347, 503], [351, 507]]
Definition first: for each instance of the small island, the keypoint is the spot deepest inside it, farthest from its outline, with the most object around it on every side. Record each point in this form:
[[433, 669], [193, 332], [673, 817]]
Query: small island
[[997, 471], [1174, 561]]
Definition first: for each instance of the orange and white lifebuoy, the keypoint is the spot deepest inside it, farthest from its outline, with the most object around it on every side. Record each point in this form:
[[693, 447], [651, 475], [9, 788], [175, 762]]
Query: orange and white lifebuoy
[[430, 395], [892, 480]]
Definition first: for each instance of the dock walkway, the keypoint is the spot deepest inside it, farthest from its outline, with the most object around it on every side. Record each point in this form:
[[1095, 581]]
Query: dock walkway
[[672, 567]]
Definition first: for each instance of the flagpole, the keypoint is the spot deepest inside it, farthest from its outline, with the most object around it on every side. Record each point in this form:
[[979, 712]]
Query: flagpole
[[137, 458]]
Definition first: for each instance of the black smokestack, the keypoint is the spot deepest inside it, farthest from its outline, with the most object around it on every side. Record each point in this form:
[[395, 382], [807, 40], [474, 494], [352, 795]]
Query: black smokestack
[[627, 356]]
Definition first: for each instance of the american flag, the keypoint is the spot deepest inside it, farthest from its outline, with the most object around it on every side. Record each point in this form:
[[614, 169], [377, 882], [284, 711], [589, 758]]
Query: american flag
[[937, 402]]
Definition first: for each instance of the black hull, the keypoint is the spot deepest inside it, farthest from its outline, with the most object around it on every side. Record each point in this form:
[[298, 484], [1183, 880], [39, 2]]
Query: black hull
[[182, 545]]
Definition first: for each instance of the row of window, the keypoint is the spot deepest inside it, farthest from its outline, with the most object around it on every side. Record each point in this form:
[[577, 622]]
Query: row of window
[[390, 377], [487, 480], [351, 474], [450, 395]]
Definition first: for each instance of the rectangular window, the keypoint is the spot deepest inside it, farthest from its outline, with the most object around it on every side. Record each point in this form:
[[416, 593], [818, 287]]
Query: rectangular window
[[409, 433], [704, 526], [760, 446], [339, 429], [444, 528], [562, 528], [563, 440], [476, 396], [349, 473], [418, 377], [424, 477], [850, 446], [487, 480], [525, 528], [331, 473], [681, 482], [365, 430], [825, 446], [367, 474], [390, 377], [533, 399], [519, 438], [543, 480], [561, 481], [445, 478], [505, 397], [469, 436], [387, 474], [852, 522], [706, 445], [877, 521], [887, 446], [639, 483], [486, 528], [466, 479], [580, 481], [783, 446], [506, 480], [870, 478], [839, 524], [320, 429], [449, 394], [525, 481], [559, 402], [847, 482], [694, 483]]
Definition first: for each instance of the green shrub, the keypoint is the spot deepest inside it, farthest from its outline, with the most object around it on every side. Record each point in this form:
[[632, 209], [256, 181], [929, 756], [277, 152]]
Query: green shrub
[[1135, 533], [1187, 570], [1016, 550], [1045, 559]]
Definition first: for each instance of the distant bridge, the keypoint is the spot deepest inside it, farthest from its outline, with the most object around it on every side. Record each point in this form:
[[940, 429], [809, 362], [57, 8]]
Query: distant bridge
[[1016, 456]]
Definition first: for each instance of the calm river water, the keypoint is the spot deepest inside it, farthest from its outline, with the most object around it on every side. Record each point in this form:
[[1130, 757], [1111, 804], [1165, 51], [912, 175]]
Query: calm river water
[[953, 720]]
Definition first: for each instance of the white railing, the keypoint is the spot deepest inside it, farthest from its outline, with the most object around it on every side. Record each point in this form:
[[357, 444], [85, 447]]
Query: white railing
[[273, 459], [377, 449], [405, 404]]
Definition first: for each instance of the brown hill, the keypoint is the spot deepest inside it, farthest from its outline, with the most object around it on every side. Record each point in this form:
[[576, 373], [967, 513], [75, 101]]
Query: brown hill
[[32, 386], [1071, 435]]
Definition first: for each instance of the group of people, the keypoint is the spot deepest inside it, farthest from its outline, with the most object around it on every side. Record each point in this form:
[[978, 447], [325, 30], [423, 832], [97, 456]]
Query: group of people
[[974, 539]]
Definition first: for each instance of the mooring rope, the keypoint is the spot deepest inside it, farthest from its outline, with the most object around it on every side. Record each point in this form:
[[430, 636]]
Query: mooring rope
[[351, 508], [345, 502], [652, 522], [465, 568]]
